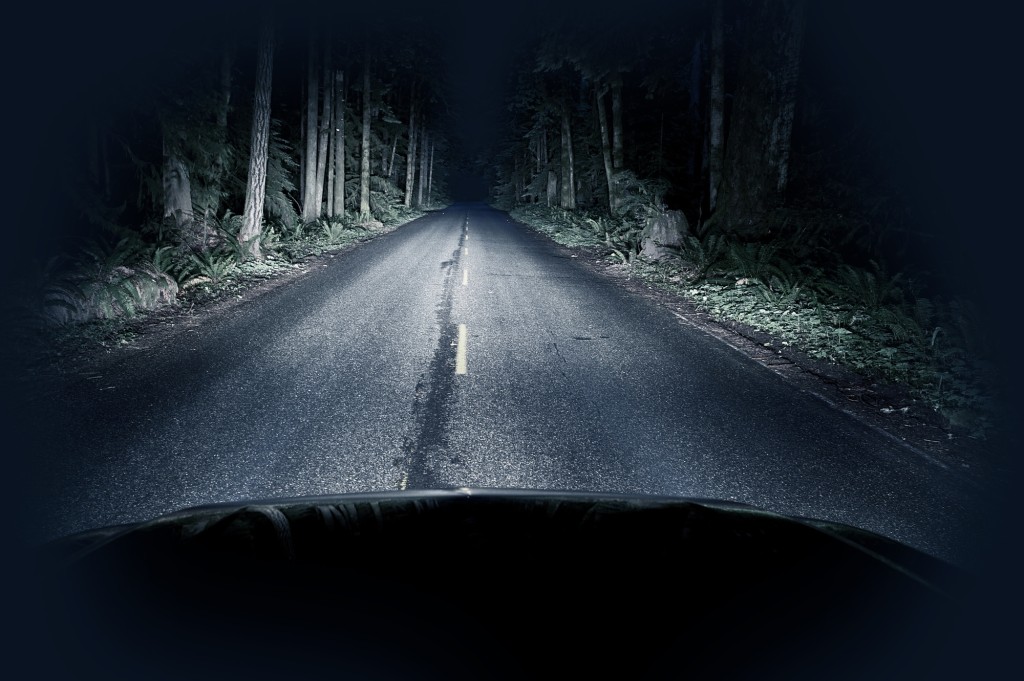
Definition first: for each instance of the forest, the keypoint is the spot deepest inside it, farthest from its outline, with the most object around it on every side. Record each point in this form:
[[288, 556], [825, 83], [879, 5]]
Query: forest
[[735, 152]]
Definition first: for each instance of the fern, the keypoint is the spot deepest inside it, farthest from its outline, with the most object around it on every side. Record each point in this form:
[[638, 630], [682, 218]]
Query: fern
[[781, 290], [164, 260], [102, 255], [334, 232], [114, 297], [210, 265], [702, 254], [270, 240], [868, 289], [753, 261], [53, 297]]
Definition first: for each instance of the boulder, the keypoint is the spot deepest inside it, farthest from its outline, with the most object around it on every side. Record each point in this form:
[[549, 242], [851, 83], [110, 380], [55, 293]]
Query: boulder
[[664, 230]]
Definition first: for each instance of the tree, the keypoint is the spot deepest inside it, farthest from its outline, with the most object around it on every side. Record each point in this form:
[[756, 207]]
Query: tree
[[606, 151], [568, 161], [310, 193], [618, 160], [757, 151], [323, 135], [338, 205], [255, 192], [424, 168], [716, 139], [430, 175], [410, 157], [364, 169], [177, 186]]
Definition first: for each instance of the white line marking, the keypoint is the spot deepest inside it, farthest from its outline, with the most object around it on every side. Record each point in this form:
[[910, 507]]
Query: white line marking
[[465, 277]]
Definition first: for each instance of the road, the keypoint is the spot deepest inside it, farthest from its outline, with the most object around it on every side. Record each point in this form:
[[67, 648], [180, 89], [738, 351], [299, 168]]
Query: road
[[466, 350]]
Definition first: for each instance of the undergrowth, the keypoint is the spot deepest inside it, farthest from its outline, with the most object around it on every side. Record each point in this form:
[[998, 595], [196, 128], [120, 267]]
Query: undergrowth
[[97, 295]]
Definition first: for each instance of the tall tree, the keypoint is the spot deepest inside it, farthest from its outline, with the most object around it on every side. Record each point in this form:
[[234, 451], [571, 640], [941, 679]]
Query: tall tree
[[430, 174], [410, 156], [390, 169], [324, 133], [606, 152], [255, 191], [310, 191], [364, 168], [618, 160], [177, 185], [338, 205], [716, 138], [760, 128], [226, 64], [423, 167], [568, 160]]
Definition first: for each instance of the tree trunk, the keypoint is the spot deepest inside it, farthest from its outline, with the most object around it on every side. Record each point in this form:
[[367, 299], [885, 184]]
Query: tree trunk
[[552, 184], [256, 189], [716, 145], [310, 198], [391, 163], [618, 162], [303, 136], [606, 152], [338, 204], [410, 157], [568, 169], [227, 58], [323, 134], [330, 157], [177, 190], [364, 168], [423, 169], [430, 176], [757, 150], [789, 77]]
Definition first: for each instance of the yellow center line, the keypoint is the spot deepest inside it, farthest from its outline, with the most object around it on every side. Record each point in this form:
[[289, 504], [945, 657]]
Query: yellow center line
[[460, 352]]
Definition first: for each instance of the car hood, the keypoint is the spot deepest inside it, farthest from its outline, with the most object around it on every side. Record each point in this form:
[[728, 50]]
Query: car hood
[[507, 581]]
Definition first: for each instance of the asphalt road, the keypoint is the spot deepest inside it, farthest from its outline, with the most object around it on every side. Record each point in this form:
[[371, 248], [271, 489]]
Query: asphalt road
[[465, 350]]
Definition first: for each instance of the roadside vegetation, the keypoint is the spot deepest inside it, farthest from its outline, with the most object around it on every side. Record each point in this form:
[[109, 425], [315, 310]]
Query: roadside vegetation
[[94, 297], [882, 326]]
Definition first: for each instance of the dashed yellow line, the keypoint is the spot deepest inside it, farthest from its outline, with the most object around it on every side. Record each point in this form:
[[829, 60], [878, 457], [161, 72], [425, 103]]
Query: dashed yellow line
[[460, 351]]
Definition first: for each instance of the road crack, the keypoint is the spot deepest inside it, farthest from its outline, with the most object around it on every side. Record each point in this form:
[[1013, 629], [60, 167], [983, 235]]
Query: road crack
[[427, 438]]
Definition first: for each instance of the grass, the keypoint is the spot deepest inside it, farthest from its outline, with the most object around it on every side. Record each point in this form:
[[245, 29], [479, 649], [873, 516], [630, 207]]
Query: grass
[[860, 318]]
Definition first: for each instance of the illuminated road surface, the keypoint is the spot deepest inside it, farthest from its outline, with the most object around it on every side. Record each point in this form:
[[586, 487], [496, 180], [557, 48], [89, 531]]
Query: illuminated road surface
[[466, 350]]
